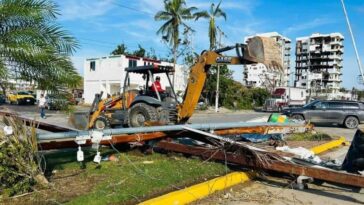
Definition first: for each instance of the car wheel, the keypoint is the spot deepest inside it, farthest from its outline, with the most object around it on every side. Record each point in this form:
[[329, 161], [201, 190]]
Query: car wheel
[[102, 122], [351, 122], [298, 117]]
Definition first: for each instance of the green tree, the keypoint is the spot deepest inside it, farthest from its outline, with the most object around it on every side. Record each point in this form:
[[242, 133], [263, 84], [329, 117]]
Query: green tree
[[174, 15], [212, 15], [140, 52], [33, 47], [151, 54], [120, 50]]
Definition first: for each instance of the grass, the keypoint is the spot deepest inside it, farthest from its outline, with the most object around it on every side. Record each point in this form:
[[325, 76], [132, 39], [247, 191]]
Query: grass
[[135, 177], [308, 137]]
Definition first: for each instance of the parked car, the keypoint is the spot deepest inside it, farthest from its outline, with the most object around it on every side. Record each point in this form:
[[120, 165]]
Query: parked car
[[21, 97], [347, 113], [59, 101]]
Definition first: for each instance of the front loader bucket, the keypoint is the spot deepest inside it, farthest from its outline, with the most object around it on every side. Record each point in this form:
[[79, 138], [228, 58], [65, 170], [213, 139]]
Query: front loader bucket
[[79, 120], [264, 50]]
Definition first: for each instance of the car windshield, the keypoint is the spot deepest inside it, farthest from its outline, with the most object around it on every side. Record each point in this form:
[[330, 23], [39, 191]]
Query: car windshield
[[311, 103], [23, 93]]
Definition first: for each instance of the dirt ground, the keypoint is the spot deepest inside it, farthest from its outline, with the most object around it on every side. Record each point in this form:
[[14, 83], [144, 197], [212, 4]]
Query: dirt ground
[[278, 191]]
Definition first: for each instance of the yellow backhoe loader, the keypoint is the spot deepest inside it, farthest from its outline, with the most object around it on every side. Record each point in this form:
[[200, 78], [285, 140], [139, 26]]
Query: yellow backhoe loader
[[147, 107]]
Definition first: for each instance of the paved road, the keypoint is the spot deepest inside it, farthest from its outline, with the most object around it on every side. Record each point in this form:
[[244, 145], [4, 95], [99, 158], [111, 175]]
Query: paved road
[[227, 117], [277, 191], [61, 118]]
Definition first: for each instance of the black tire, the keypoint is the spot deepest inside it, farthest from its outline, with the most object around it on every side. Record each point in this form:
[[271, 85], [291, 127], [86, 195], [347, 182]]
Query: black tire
[[297, 117], [102, 122], [351, 122], [141, 113]]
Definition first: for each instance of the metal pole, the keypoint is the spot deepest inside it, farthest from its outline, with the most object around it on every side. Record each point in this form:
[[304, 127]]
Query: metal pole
[[217, 89], [167, 128], [353, 40], [218, 77]]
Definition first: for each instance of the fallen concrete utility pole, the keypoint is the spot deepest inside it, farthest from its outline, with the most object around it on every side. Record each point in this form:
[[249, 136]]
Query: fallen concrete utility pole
[[38, 124], [69, 140], [271, 128], [279, 166]]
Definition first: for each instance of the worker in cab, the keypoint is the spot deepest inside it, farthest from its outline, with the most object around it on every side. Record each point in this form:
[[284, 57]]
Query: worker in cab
[[156, 86]]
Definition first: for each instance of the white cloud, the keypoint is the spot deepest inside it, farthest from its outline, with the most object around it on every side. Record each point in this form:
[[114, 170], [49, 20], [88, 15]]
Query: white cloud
[[360, 9], [84, 9], [247, 6], [309, 25], [150, 6]]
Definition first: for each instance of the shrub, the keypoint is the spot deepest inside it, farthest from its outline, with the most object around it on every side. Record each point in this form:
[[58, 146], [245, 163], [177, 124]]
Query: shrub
[[19, 169]]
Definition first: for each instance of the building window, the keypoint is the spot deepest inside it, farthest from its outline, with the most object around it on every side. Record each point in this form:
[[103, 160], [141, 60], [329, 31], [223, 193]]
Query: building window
[[92, 65], [132, 63]]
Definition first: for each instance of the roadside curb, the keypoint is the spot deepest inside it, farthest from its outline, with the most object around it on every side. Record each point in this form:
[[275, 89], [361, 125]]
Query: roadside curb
[[201, 190], [327, 146], [205, 189]]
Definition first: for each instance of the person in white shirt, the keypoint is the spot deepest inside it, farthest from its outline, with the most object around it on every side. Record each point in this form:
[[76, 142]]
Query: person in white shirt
[[41, 104]]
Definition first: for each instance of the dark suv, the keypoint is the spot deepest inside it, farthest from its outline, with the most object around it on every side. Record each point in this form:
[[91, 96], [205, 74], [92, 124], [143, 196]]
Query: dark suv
[[347, 113]]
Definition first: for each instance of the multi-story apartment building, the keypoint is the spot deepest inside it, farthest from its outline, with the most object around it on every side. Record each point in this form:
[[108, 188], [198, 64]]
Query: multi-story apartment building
[[259, 75], [319, 62]]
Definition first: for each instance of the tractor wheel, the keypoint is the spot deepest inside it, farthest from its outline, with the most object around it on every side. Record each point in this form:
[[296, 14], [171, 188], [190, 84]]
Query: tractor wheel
[[141, 113], [102, 122]]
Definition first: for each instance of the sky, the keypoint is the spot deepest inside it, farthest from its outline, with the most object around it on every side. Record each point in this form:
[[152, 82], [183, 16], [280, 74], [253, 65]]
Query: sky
[[100, 25]]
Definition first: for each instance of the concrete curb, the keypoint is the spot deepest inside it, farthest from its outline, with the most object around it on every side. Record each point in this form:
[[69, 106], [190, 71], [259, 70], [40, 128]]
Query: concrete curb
[[201, 190], [327, 146], [204, 189]]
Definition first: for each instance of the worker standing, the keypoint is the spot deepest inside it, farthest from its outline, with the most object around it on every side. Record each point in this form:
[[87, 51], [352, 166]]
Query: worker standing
[[41, 104]]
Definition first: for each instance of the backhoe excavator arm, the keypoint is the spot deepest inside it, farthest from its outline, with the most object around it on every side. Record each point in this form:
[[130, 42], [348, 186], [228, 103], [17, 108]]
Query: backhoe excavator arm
[[257, 50]]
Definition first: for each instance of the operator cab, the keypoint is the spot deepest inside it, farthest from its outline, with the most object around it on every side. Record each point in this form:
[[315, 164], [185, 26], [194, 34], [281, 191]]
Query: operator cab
[[150, 106], [149, 74]]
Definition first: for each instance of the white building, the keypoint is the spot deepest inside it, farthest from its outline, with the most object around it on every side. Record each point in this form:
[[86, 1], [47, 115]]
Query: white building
[[320, 55], [259, 75], [107, 74]]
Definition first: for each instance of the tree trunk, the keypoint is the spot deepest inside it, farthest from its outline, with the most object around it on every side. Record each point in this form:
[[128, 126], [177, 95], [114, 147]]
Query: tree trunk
[[3, 88]]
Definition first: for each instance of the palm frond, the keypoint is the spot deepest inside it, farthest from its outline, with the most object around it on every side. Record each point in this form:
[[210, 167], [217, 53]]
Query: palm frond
[[33, 46], [201, 14]]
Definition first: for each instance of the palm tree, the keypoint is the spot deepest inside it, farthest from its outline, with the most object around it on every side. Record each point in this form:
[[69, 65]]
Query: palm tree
[[33, 47], [212, 15], [174, 14]]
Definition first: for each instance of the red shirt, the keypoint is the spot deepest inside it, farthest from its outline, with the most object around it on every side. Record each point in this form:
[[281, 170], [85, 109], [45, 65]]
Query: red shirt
[[156, 86]]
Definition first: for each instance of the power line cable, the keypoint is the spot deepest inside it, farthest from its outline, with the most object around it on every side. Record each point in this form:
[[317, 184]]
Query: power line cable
[[132, 8]]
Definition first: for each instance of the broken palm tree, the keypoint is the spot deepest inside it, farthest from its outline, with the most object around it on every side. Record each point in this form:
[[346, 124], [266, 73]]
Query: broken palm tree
[[19, 158]]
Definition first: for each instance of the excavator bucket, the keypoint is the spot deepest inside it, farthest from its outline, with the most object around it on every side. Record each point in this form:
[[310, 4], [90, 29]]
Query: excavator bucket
[[79, 120], [264, 50]]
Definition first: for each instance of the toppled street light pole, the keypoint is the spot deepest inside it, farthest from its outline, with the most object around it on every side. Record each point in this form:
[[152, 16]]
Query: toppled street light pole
[[273, 165], [125, 135], [283, 128]]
